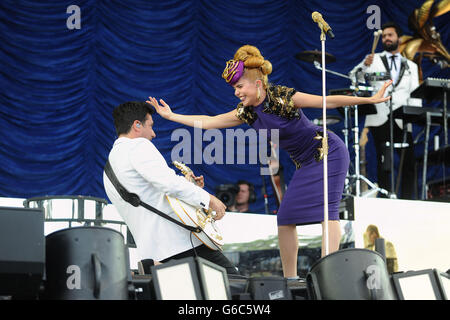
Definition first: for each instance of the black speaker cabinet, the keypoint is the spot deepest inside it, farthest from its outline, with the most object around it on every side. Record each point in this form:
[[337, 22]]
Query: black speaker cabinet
[[22, 252], [268, 288]]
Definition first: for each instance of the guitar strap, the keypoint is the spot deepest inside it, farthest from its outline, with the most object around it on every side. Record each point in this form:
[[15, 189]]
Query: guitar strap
[[135, 201]]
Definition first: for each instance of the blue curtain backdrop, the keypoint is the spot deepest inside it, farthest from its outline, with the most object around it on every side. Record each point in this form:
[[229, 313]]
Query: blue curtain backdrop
[[59, 85]]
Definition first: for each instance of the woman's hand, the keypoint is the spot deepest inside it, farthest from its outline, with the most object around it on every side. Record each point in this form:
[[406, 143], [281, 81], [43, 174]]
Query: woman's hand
[[164, 110], [379, 96]]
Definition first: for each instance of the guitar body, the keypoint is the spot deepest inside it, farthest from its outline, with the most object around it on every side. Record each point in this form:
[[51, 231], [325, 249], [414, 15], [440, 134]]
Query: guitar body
[[197, 217]]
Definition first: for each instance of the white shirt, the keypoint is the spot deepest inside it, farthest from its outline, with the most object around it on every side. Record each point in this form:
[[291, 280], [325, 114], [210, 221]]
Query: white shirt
[[394, 67], [400, 93], [141, 169]]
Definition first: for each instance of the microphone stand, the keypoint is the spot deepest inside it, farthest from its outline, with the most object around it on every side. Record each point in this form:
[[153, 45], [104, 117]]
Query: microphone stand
[[265, 196], [324, 146], [391, 142], [318, 66]]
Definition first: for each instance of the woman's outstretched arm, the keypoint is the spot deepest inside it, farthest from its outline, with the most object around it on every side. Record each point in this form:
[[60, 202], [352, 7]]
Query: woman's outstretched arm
[[224, 120], [304, 100]]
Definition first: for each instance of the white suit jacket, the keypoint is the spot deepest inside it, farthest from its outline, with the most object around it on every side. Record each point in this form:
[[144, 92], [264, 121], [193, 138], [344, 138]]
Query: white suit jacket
[[141, 169], [400, 92]]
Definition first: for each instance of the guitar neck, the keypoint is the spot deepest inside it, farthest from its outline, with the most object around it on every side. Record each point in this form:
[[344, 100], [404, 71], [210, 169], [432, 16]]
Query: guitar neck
[[185, 170]]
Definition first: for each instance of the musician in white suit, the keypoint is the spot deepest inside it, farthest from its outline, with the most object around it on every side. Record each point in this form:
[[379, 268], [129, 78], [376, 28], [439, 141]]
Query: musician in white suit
[[405, 76], [141, 169]]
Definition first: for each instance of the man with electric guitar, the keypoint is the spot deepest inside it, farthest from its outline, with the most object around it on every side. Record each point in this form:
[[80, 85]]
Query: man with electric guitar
[[176, 204]]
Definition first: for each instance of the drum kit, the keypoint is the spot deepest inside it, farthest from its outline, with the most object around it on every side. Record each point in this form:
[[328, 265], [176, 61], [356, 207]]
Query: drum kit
[[351, 133]]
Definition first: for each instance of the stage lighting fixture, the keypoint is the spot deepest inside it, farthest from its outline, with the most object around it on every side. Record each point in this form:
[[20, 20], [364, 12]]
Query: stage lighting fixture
[[444, 283], [190, 279], [417, 285]]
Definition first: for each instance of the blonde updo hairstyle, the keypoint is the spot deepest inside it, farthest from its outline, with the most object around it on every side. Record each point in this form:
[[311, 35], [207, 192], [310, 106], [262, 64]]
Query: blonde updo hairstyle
[[255, 67]]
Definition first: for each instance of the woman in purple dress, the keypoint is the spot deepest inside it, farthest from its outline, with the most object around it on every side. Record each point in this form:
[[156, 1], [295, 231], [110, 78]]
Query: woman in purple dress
[[267, 106]]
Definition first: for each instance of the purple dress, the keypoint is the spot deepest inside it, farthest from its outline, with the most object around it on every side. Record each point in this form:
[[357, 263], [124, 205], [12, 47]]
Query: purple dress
[[303, 201]]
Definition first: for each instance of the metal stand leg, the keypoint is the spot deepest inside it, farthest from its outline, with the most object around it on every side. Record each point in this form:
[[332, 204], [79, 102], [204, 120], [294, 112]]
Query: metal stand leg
[[357, 177], [425, 156], [402, 158], [357, 150], [445, 119], [345, 130], [391, 141]]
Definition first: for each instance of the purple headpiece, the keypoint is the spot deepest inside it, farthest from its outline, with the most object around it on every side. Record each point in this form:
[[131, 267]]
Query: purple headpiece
[[233, 71]]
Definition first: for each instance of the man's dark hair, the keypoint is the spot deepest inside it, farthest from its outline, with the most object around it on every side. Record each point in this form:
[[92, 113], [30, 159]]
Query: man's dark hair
[[125, 114], [392, 24], [251, 189]]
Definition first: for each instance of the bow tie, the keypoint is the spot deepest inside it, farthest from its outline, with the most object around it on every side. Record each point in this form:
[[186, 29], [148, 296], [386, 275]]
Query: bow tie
[[393, 64]]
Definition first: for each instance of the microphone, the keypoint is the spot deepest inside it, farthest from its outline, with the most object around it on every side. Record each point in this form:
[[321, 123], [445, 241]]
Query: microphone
[[317, 18]]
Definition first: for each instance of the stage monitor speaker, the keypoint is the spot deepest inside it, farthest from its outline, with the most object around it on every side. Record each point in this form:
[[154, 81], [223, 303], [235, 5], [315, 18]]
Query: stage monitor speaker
[[269, 288], [350, 274], [22, 252], [443, 279], [87, 263], [143, 288], [190, 279], [425, 284]]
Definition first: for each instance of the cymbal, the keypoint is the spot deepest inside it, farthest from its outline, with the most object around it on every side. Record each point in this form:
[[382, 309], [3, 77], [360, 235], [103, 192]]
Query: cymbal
[[315, 55]]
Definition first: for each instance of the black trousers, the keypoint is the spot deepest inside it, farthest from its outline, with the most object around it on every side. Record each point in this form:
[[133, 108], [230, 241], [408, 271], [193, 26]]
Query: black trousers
[[381, 135], [215, 256]]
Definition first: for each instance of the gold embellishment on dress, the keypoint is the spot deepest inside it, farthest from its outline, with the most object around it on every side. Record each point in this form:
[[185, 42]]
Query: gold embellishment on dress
[[298, 164], [323, 150], [246, 114], [240, 111], [279, 102]]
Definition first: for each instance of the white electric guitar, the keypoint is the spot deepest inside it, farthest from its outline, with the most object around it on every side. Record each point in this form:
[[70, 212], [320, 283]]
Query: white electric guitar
[[197, 217]]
